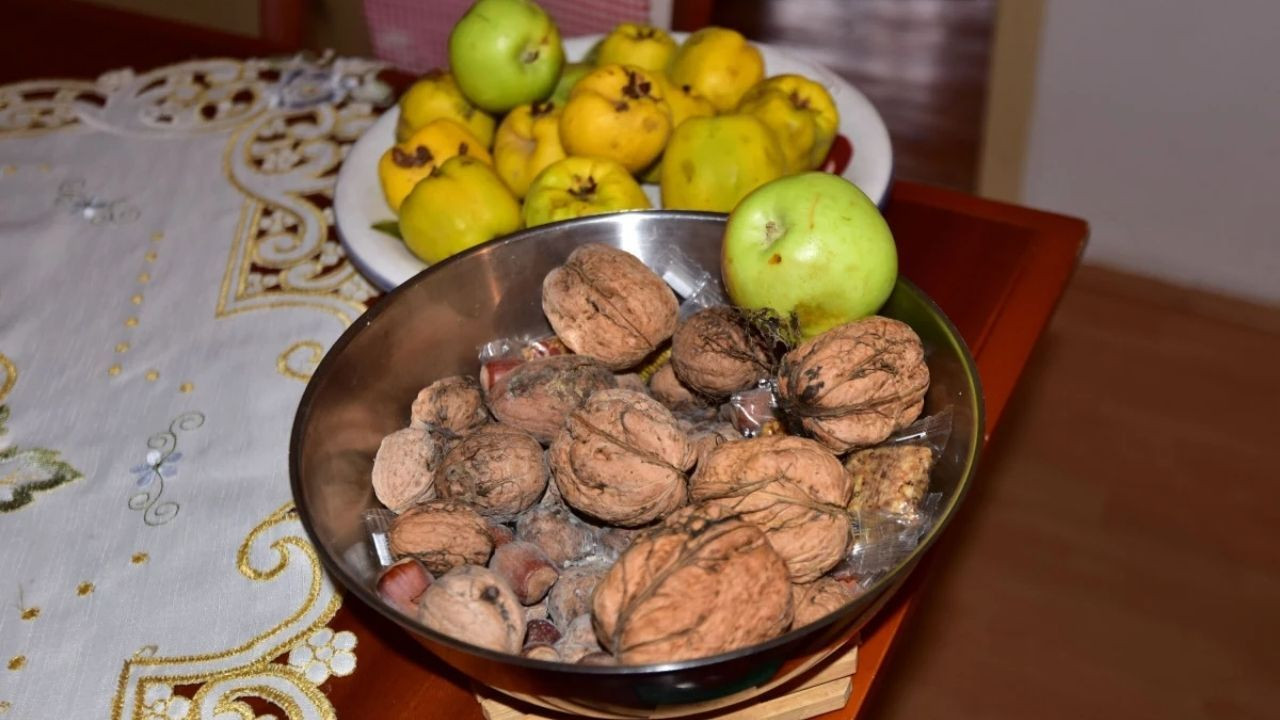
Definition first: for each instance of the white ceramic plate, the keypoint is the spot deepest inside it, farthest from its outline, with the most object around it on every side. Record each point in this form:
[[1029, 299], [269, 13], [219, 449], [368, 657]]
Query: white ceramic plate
[[358, 201]]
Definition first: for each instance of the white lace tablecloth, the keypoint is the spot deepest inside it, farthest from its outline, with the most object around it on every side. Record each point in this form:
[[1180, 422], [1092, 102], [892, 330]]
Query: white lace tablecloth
[[169, 277]]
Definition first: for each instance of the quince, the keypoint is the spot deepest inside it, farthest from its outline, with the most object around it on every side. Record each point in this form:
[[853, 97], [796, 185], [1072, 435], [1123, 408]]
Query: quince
[[404, 164], [720, 64], [436, 95], [801, 114], [580, 186], [616, 112], [685, 102], [642, 46], [528, 141], [712, 163], [461, 204]]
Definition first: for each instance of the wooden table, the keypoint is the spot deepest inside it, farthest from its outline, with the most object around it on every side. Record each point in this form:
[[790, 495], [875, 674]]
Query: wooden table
[[997, 270]]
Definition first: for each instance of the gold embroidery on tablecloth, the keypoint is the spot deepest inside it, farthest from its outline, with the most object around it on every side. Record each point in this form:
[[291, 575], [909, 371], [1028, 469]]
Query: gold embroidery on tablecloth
[[40, 106], [85, 588], [139, 558], [8, 376], [26, 471], [17, 662], [186, 387], [248, 670], [31, 613], [285, 252], [300, 359]]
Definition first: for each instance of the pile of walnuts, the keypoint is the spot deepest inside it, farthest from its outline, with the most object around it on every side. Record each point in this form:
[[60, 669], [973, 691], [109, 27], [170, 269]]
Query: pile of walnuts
[[562, 508]]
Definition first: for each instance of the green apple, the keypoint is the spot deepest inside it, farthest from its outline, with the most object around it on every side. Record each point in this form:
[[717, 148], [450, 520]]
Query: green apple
[[812, 245], [505, 53]]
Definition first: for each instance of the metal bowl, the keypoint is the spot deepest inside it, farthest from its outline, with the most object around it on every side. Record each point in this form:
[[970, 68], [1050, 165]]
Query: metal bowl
[[431, 326]]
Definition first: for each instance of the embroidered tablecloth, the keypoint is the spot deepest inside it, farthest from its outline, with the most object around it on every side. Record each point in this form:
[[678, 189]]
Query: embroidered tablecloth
[[169, 277]]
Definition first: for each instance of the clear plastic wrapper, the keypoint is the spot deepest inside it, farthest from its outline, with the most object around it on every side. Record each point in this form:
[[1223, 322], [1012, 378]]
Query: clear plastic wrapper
[[932, 431], [694, 287], [754, 412], [501, 356], [378, 524], [881, 540]]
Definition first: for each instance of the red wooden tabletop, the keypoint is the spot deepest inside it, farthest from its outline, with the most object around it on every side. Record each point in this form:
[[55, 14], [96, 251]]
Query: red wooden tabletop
[[997, 270]]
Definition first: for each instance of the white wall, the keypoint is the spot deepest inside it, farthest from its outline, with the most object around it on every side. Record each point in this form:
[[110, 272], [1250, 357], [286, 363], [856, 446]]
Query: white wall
[[1158, 121]]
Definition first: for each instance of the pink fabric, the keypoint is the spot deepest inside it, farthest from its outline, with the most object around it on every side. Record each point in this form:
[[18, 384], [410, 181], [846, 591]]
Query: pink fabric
[[414, 34]]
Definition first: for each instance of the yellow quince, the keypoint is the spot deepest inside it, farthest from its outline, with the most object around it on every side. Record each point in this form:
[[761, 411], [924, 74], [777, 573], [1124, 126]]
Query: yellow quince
[[685, 103], [801, 114], [461, 204], [642, 46], [528, 141], [580, 186], [616, 112], [712, 163], [404, 164], [436, 95], [720, 64]]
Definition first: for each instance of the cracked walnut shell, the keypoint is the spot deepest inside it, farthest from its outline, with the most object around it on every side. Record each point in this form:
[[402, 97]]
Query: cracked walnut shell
[[794, 489], [443, 534], [452, 406], [854, 385], [537, 395], [702, 583], [621, 458], [404, 468], [498, 470], [717, 352], [606, 303]]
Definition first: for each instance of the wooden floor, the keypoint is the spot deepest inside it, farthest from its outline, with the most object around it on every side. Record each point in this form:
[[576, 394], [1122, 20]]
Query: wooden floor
[[1120, 553]]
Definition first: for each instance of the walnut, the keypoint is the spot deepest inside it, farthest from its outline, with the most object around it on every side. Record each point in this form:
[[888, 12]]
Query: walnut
[[717, 352], [667, 389], [472, 604], [707, 436], [404, 468], [818, 599], [526, 569], [537, 396], [571, 595], [621, 458], [701, 583], [631, 381], [452, 406], [498, 470], [892, 478], [579, 640], [443, 534], [794, 489], [853, 385], [606, 303], [561, 535]]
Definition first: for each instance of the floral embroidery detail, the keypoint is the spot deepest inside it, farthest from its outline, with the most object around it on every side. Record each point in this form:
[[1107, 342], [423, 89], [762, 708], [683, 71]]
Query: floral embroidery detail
[[96, 210], [161, 462], [25, 472], [160, 703], [325, 653]]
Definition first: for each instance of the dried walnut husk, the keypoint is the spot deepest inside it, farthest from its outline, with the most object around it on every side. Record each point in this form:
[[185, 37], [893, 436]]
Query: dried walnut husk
[[717, 352], [472, 604], [818, 599], [890, 478], [404, 468], [853, 385], [443, 534], [452, 406], [499, 470], [794, 489], [621, 458], [606, 303], [537, 395], [701, 583]]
